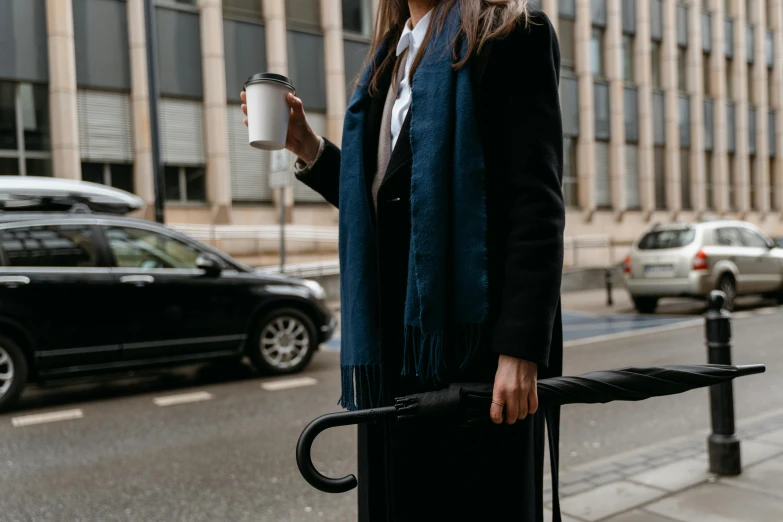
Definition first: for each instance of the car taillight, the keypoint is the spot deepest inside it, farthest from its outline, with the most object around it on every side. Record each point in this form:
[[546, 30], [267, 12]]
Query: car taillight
[[627, 265], [700, 261]]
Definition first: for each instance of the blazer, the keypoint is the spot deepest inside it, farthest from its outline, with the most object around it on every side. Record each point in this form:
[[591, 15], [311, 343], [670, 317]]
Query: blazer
[[516, 80]]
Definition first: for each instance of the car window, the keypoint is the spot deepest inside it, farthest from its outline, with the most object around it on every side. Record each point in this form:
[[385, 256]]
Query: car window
[[660, 239], [728, 237], [138, 248], [49, 246], [753, 239]]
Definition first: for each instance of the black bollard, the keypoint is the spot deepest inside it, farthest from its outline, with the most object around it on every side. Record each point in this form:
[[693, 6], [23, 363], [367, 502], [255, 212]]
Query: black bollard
[[608, 279], [723, 443]]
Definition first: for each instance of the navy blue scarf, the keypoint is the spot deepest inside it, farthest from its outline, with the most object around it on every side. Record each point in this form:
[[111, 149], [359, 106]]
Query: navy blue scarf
[[446, 300]]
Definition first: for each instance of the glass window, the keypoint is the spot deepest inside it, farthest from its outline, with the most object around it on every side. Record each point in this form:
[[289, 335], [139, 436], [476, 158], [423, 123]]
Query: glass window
[[570, 176], [728, 8], [9, 166], [682, 69], [93, 172], [732, 181], [656, 65], [628, 58], [8, 116], [659, 154], [753, 185], [567, 45], [39, 167], [34, 101], [122, 176], [685, 179], [50, 246], [171, 175], [138, 248], [730, 79], [706, 72], [751, 90], [596, 52], [728, 237], [304, 12], [751, 238], [771, 88], [195, 184], [708, 181], [243, 7], [661, 239], [357, 17], [773, 205]]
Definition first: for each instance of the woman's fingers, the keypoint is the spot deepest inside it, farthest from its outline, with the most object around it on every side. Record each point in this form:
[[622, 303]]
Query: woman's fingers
[[244, 109], [243, 97], [532, 401], [297, 109], [512, 408], [245, 121], [496, 410]]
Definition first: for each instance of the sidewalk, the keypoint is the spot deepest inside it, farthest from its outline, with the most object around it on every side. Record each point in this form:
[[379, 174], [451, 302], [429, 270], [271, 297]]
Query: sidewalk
[[671, 482]]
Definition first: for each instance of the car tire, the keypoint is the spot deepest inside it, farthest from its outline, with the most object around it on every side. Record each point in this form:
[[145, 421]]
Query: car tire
[[13, 372], [283, 342], [728, 286], [645, 305]]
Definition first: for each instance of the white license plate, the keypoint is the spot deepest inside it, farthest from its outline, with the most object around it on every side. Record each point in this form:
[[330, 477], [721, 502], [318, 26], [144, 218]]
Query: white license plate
[[658, 270]]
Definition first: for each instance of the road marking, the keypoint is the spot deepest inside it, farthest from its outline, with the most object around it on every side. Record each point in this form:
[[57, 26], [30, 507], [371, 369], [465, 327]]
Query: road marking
[[43, 418], [182, 398], [287, 384], [633, 333]]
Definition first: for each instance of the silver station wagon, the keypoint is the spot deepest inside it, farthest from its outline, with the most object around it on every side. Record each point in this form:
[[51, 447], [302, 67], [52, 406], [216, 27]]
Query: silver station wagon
[[690, 260]]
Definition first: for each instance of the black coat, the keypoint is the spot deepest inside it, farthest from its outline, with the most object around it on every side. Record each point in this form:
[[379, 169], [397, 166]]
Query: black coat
[[468, 473]]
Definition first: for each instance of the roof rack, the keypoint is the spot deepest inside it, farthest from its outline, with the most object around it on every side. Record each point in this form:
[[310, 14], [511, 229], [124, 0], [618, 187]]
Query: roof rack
[[41, 194]]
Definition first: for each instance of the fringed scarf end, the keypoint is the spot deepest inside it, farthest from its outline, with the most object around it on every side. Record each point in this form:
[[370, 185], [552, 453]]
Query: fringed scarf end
[[424, 355], [361, 387]]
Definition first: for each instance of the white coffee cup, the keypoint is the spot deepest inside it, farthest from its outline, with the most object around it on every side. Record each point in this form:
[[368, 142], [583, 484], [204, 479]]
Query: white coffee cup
[[267, 110]]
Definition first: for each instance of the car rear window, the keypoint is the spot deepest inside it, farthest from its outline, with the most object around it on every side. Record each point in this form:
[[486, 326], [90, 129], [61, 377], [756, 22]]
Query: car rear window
[[660, 239]]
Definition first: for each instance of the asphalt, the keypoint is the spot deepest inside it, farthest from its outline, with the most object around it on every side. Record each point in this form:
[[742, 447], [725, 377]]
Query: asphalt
[[231, 458]]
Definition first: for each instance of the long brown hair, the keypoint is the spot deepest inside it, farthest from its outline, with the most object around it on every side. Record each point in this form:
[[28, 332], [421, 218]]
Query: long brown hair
[[481, 20]]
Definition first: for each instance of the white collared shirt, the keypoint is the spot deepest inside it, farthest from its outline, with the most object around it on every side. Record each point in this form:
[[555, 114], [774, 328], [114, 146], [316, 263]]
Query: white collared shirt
[[411, 40]]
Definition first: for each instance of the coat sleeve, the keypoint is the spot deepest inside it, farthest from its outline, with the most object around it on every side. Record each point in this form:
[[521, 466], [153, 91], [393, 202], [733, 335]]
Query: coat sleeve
[[324, 176], [527, 100]]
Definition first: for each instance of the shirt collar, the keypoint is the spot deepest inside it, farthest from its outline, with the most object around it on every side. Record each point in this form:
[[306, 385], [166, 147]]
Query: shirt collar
[[413, 37]]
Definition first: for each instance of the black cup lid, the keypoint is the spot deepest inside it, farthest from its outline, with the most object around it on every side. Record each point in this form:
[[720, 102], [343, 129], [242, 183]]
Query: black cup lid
[[270, 77]]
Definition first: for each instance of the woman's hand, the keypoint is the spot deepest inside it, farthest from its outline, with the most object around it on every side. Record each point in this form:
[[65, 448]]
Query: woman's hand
[[516, 390], [301, 140]]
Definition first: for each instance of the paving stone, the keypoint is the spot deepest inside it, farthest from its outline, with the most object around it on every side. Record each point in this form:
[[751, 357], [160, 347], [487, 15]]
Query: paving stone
[[766, 477], [577, 487], [660, 461], [754, 451], [774, 436], [638, 516], [577, 476], [719, 503], [565, 518], [633, 461], [633, 470], [604, 467], [675, 476], [606, 478], [660, 452], [608, 500]]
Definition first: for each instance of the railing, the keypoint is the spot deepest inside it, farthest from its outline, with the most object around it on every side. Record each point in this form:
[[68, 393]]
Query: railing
[[258, 232], [306, 270]]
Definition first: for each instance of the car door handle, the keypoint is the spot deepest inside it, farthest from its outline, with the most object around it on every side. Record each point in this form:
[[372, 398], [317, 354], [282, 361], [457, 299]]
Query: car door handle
[[137, 280], [14, 281]]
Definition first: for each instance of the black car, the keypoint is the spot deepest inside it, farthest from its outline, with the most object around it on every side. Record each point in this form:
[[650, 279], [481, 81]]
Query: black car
[[84, 293]]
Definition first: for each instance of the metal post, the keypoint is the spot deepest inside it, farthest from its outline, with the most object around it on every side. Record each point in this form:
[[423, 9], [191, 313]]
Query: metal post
[[723, 443], [282, 230], [152, 85], [608, 278]]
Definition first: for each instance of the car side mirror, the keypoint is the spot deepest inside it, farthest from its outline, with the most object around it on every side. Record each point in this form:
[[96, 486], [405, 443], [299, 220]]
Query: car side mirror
[[209, 264]]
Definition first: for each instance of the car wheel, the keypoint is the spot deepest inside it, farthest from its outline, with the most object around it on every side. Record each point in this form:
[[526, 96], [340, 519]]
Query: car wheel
[[727, 285], [13, 372], [645, 305], [284, 342]]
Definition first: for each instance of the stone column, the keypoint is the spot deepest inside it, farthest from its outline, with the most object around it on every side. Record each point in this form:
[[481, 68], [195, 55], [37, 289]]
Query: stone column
[[277, 62], [374, 7], [643, 55], [63, 112], [696, 89], [720, 155], [585, 145], [741, 165], [669, 78], [776, 99], [213, 65], [762, 108], [334, 61], [143, 177], [550, 8], [614, 73]]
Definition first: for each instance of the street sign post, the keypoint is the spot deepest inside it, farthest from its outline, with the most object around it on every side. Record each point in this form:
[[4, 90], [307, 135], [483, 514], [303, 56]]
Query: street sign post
[[280, 177]]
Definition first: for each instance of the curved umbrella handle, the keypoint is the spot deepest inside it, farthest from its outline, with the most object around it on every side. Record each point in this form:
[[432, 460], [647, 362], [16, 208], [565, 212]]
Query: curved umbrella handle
[[304, 460]]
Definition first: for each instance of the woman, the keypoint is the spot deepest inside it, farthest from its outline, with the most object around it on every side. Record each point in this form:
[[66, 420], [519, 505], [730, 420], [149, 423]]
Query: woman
[[451, 225]]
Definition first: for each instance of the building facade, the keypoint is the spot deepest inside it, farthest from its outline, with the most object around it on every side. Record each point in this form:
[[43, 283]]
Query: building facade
[[670, 108]]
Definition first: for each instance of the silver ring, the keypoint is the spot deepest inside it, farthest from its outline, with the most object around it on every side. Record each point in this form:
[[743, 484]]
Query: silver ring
[[498, 403]]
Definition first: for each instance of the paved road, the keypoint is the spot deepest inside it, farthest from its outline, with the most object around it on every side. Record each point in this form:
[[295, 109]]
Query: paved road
[[229, 456]]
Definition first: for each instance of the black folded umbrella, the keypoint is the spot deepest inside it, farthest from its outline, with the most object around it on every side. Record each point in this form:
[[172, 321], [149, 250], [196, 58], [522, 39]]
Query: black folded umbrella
[[469, 403]]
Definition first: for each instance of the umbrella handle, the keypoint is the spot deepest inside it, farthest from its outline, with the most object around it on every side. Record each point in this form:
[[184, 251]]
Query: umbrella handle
[[304, 460]]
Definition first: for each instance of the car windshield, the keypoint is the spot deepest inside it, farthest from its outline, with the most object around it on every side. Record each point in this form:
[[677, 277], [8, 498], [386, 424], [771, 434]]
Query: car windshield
[[660, 239]]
